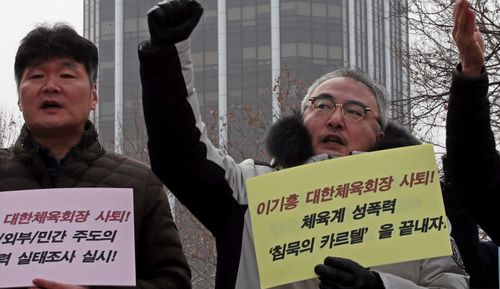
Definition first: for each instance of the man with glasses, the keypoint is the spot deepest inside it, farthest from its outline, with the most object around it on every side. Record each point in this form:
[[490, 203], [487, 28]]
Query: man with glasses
[[343, 112]]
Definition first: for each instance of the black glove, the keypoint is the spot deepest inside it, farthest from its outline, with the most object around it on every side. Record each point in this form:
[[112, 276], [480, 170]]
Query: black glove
[[340, 273], [172, 21]]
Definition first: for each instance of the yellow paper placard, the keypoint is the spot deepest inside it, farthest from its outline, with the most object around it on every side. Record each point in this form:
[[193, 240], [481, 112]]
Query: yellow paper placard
[[374, 208]]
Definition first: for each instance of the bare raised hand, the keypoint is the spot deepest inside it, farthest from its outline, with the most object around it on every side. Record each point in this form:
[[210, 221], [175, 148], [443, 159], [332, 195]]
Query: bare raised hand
[[468, 38]]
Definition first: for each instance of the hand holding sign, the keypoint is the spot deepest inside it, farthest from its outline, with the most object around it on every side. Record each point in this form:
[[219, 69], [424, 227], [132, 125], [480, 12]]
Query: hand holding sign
[[47, 284], [341, 273]]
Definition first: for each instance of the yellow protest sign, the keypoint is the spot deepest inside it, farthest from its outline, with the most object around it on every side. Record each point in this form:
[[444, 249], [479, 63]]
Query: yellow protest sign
[[375, 208]]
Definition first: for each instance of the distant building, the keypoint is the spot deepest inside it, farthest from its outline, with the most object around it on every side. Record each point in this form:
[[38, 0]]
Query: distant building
[[315, 36]]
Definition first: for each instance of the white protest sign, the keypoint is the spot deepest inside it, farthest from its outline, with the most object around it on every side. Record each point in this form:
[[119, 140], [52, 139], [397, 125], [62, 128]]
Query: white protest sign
[[81, 236]]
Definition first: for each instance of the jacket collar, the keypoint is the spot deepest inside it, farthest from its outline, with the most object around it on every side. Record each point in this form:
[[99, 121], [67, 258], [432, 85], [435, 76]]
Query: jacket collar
[[25, 144]]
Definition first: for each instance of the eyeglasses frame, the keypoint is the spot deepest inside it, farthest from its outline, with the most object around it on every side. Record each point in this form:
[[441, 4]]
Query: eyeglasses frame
[[366, 109]]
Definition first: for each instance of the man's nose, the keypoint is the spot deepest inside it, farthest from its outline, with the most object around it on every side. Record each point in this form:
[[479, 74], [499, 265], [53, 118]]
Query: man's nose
[[51, 84], [336, 119]]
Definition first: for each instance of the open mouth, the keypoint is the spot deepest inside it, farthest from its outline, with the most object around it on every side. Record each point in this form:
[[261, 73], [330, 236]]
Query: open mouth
[[50, 105], [333, 139]]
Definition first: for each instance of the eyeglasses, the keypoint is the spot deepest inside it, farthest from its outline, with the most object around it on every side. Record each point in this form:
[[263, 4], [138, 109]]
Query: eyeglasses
[[325, 106]]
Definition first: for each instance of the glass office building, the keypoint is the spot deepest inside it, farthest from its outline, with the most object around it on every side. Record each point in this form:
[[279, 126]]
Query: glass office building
[[315, 36]]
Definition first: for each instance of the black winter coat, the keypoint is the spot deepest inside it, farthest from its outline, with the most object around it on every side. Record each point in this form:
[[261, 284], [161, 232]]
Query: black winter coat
[[472, 172], [474, 163], [160, 262]]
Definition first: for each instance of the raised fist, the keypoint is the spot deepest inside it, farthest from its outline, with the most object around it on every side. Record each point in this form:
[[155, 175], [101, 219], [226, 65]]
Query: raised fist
[[172, 21]]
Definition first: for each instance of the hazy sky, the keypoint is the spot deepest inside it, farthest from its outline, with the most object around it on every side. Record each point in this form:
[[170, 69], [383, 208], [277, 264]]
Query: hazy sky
[[16, 19]]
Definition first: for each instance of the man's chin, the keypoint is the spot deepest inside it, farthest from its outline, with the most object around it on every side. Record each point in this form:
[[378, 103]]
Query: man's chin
[[335, 155], [332, 153], [53, 129]]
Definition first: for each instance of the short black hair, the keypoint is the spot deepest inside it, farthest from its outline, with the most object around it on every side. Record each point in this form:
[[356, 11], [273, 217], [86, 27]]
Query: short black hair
[[57, 40]]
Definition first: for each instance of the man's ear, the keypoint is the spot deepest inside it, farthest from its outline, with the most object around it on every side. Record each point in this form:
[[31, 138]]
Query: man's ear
[[94, 98], [380, 135]]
